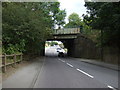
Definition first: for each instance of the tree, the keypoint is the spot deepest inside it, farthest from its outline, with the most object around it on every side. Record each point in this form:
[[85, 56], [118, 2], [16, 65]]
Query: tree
[[85, 29], [52, 10], [26, 26], [105, 16], [60, 17], [52, 43], [74, 20]]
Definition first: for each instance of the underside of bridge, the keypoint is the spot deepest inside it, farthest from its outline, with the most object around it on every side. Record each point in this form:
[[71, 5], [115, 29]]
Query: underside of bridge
[[79, 46], [69, 44], [68, 41]]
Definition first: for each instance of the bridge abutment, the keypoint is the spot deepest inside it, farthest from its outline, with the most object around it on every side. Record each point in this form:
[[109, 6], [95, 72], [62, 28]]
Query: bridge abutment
[[69, 44], [85, 48], [82, 47]]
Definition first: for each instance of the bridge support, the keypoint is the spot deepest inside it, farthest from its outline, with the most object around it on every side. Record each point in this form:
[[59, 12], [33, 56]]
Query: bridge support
[[69, 44], [85, 48], [81, 47], [42, 52]]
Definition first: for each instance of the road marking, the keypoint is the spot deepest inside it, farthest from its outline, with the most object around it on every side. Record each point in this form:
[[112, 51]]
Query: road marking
[[111, 87], [85, 73], [59, 59], [70, 65], [62, 61]]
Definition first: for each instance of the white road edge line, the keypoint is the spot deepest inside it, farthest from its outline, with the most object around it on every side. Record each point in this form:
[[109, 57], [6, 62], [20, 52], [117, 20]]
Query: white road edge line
[[70, 65], [111, 87], [85, 73]]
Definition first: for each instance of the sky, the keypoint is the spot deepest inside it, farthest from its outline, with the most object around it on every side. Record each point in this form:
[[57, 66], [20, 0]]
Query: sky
[[71, 6]]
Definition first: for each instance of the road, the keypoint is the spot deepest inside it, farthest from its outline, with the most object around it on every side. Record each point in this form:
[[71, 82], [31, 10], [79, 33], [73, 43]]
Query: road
[[65, 72], [69, 73]]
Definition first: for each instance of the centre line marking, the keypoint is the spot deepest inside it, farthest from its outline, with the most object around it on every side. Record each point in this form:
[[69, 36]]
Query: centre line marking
[[70, 65], [85, 73], [62, 61], [111, 87], [59, 59]]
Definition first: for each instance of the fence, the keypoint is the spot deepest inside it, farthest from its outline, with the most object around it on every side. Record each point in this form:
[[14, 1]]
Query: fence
[[12, 60]]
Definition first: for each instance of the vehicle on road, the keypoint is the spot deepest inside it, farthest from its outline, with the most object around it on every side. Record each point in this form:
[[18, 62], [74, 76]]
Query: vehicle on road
[[61, 52]]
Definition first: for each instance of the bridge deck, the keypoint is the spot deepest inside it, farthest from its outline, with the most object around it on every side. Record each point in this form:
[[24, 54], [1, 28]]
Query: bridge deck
[[67, 31]]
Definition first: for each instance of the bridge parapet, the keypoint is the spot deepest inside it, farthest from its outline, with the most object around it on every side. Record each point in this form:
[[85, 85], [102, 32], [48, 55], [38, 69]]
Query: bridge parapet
[[67, 31]]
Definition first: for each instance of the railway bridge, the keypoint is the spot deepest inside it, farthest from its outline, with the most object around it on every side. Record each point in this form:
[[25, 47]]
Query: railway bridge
[[77, 44]]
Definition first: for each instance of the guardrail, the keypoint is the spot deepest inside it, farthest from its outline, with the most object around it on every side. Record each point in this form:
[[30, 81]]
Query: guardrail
[[67, 31], [12, 61]]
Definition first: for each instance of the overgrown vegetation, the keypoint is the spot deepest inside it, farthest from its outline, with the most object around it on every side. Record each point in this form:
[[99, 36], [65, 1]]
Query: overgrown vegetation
[[51, 43], [76, 21], [101, 23], [105, 16], [26, 26]]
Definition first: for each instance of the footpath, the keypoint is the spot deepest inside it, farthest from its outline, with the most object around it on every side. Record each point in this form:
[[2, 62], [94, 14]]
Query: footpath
[[102, 64], [24, 77]]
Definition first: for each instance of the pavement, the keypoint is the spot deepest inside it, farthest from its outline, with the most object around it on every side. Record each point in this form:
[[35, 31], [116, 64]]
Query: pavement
[[25, 77]]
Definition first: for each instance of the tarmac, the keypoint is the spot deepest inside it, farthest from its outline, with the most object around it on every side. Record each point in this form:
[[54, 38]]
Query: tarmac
[[102, 64]]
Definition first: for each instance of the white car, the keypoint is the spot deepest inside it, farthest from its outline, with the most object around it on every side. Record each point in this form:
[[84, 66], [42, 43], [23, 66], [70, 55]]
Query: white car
[[61, 52]]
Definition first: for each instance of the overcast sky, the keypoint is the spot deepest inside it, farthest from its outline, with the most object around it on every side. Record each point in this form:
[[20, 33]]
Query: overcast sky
[[71, 6]]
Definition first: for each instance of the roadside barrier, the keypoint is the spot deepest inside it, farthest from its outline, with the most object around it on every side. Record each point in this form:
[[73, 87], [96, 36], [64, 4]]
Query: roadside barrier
[[10, 60]]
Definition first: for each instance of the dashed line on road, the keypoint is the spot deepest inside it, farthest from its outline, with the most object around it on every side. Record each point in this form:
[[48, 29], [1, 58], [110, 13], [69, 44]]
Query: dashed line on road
[[84, 73], [59, 59], [62, 61], [78, 69], [69, 64], [111, 87]]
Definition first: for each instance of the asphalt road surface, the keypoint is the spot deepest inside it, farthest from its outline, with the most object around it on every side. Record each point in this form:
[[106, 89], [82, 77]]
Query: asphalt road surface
[[69, 73], [65, 72]]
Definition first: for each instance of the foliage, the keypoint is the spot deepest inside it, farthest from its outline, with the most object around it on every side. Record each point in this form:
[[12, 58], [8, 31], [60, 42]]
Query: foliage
[[74, 21], [51, 43], [26, 26], [105, 16], [60, 18]]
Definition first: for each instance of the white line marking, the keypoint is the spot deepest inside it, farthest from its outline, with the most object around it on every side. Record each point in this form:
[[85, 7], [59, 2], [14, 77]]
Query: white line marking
[[70, 65], [111, 87], [59, 59], [62, 61], [85, 73]]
